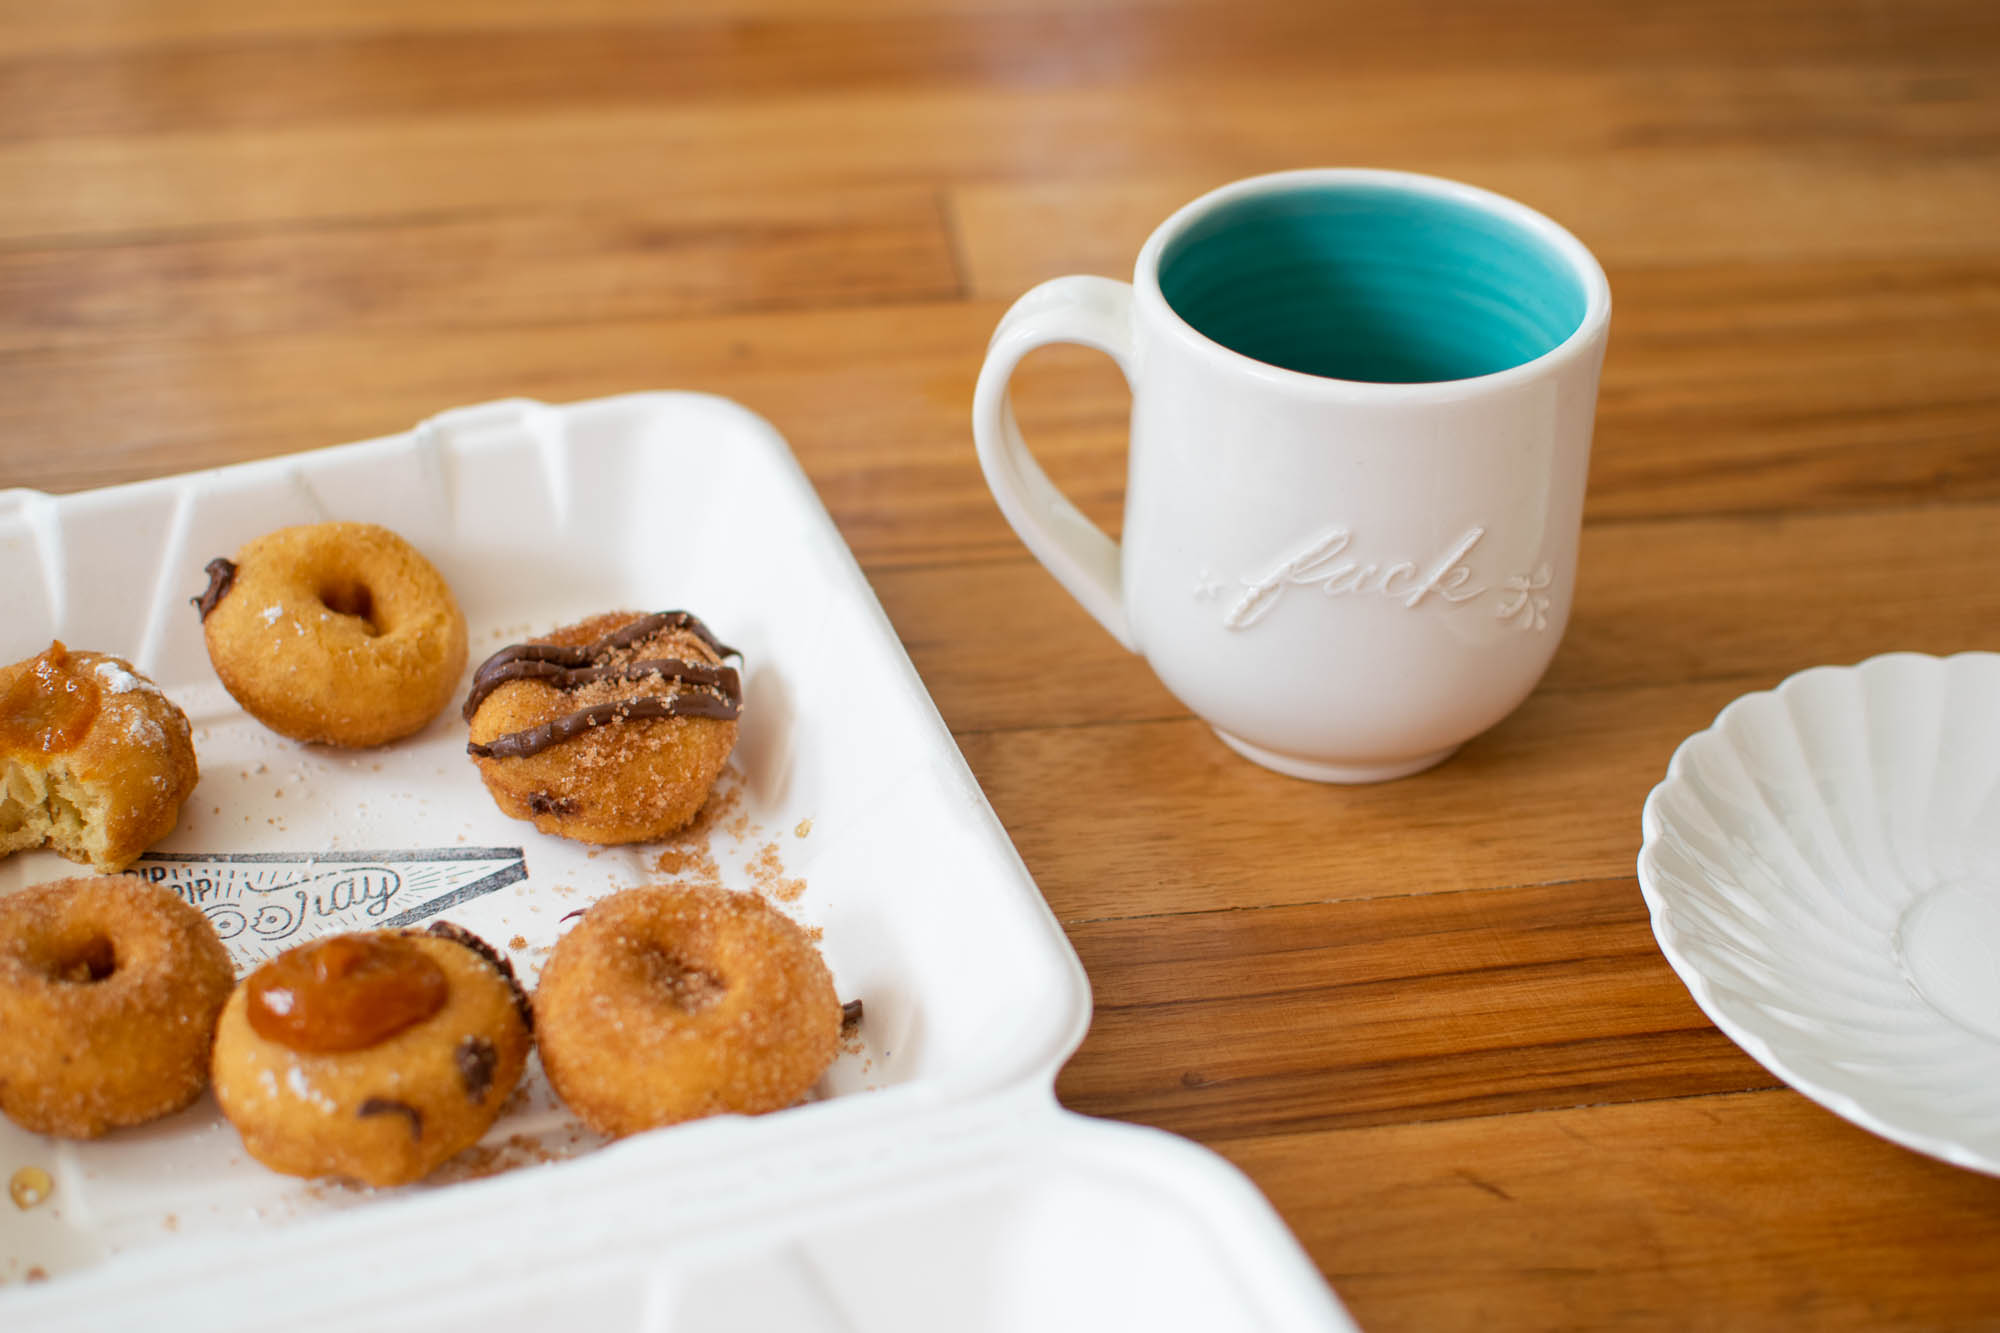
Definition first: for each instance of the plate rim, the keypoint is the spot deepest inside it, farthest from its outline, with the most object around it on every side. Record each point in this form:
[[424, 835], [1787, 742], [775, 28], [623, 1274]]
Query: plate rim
[[1666, 933]]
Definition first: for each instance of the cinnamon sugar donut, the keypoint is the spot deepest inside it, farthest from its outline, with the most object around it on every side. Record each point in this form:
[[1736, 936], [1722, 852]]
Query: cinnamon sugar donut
[[667, 1003], [374, 1056], [94, 760], [109, 991], [340, 633], [608, 731]]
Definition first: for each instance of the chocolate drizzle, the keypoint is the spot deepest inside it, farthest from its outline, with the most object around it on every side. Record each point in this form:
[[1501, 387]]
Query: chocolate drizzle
[[221, 576], [850, 1017], [390, 1106], [700, 689], [521, 744]]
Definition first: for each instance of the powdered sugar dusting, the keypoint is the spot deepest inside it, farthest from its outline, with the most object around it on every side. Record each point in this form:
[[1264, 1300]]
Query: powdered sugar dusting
[[120, 681]]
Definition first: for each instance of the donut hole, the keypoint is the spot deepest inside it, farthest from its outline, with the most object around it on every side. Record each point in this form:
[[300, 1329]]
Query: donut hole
[[346, 597], [687, 986], [85, 961]]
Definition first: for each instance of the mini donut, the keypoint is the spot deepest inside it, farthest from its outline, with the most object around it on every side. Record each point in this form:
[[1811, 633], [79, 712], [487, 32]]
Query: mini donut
[[374, 1056], [109, 991], [667, 1003], [94, 760], [337, 633], [608, 731]]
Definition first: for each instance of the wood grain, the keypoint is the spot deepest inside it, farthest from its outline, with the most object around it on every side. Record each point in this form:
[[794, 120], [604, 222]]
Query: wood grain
[[1749, 1211], [1412, 1006], [1791, 402], [1428, 1018], [1552, 793], [469, 271], [1637, 207]]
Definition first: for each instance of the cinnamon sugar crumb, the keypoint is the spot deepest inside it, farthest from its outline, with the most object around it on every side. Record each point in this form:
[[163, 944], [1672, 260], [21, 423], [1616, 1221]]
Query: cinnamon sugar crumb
[[805, 826], [482, 1161], [724, 801], [767, 875], [518, 942], [695, 864]]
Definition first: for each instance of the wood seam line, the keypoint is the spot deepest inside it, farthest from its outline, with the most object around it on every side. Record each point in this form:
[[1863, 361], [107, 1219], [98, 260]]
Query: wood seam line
[[1755, 1090], [1335, 986], [954, 240], [1632, 880]]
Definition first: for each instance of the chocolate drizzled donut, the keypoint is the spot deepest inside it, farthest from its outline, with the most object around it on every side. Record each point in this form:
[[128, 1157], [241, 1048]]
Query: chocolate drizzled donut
[[696, 689]]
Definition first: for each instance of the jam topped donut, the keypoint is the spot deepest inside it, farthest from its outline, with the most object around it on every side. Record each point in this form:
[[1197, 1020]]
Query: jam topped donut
[[373, 1056], [608, 731], [94, 760], [340, 633]]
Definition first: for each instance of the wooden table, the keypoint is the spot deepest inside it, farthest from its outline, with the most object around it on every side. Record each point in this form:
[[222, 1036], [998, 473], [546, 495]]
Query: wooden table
[[1428, 1017]]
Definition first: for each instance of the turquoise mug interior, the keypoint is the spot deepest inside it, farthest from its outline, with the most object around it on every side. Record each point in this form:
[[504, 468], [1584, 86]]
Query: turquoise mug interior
[[1371, 282]]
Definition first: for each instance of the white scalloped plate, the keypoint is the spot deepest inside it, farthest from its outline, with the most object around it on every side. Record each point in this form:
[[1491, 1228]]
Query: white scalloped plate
[[1823, 870]]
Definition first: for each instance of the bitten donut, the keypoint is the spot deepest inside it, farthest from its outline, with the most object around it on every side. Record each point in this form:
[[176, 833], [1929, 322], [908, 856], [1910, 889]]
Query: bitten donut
[[109, 991], [663, 1004], [340, 633], [94, 760], [375, 1056], [608, 731]]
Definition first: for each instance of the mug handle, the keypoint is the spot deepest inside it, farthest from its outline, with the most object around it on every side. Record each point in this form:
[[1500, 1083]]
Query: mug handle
[[1095, 312]]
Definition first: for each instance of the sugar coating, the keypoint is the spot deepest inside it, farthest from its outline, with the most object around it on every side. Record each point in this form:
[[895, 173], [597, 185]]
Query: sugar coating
[[109, 991], [670, 1002], [635, 780], [376, 642]]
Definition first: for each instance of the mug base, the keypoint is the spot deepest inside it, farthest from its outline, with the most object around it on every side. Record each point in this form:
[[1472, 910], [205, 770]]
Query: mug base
[[1293, 767]]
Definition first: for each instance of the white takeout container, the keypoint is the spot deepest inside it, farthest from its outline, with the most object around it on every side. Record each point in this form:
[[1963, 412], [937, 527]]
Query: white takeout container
[[932, 1182]]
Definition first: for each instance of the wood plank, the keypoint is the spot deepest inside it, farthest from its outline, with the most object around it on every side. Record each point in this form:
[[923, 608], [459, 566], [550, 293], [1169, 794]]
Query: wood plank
[[1658, 602], [1541, 33], [677, 58], [1175, 822], [1400, 1008], [1893, 400], [666, 259], [1217, 125], [89, 25], [1754, 1211], [1635, 206]]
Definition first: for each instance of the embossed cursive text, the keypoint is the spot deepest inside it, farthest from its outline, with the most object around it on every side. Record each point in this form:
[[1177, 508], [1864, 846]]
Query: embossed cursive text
[[1326, 565]]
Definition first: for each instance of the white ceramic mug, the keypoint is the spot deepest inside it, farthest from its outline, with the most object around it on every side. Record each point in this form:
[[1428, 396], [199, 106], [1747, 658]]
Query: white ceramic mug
[[1361, 417]]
